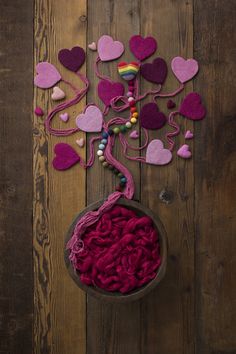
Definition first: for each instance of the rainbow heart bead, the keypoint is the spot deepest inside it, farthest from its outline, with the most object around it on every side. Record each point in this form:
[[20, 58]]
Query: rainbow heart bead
[[128, 71]]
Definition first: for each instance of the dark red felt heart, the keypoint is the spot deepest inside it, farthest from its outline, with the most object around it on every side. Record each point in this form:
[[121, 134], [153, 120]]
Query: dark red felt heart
[[192, 107], [155, 72], [141, 47], [107, 90], [65, 157], [72, 59], [151, 118]]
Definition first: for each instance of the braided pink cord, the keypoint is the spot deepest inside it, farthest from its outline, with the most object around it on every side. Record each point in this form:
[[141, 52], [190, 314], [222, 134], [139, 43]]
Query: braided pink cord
[[171, 94], [174, 125], [92, 153]]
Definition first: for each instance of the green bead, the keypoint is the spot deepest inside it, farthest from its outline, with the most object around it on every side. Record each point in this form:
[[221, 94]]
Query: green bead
[[123, 128], [120, 175], [116, 130]]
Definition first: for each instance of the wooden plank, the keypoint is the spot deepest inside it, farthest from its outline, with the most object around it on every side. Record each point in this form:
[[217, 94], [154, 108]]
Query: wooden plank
[[168, 312], [16, 93], [111, 328], [60, 307], [215, 168]]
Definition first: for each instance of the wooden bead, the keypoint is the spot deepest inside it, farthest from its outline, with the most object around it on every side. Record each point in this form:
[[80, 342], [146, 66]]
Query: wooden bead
[[101, 158], [133, 120]]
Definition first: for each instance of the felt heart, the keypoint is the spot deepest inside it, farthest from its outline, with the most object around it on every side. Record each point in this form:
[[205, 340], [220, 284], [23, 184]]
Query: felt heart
[[80, 142], [64, 117], [128, 71], [91, 120], [108, 49], [134, 134], [156, 154], [107, 90], [72, 59], [92, 46], [184, 152], [171, 104], [38, 111], [47, 75], [141, 47], [151, 118], [65, 157], [183, 69], [57, 94], [154, 72], [188, 135], [192, 107]]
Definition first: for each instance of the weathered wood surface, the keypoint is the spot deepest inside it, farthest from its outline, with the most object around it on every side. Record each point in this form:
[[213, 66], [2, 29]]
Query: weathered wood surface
[[193, 310]]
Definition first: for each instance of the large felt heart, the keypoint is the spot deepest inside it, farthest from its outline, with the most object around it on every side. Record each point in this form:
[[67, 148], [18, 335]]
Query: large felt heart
[[65, 157], [108, 49], [91, 120], [151, 118], [183, 69], [47, 75], [156, 154], [154, 72], [192, 107], [128, 71], [72, 59], [141, 47], [107, 90]]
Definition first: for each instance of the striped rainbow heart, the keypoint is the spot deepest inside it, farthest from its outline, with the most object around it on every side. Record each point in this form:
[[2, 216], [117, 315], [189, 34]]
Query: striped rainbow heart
[[128, 71]]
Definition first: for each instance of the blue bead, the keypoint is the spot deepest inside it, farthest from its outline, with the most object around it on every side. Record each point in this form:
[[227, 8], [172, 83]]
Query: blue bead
[[104, 135], [101, 146], [110, 131], [104, 141], [123, 180]]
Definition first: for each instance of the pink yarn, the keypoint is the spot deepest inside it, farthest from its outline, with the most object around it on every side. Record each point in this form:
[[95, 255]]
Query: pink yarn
[[175, 132], [171, 94]]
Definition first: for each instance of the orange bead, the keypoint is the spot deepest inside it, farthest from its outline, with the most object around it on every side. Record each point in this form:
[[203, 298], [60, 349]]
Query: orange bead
[[135, 114], [133, 109]]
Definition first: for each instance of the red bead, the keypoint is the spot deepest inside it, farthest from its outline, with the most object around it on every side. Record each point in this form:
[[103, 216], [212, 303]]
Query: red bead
[[133, 109], [132, 103], [118, 189]]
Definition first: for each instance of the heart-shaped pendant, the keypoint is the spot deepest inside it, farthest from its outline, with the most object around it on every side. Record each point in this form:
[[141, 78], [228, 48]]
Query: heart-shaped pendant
[[128, 71]]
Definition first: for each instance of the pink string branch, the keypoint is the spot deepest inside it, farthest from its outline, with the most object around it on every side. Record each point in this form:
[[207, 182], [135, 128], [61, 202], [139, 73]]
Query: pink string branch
[[176, 131], [171, 94]]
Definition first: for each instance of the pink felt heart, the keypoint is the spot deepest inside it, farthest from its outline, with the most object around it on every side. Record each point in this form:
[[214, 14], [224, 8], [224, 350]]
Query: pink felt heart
[[107, 90], [57, 94], [141, 47], [134, 134], [188, 135], [47, 75], [65, 157], [183, 69], [92, 46], [184, 152], [108, 49], [91, 120], [192, 107], [156, 154], [80, 142], [64, 117]]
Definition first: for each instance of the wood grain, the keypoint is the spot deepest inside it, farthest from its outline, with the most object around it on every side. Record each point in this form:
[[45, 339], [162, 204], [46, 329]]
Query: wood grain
[[16, 94], [60, 308]]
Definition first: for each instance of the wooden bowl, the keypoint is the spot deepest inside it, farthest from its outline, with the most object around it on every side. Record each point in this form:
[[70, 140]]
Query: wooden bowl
[[140, 292]]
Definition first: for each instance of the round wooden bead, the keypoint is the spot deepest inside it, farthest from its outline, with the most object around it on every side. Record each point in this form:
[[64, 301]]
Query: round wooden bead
[[133, 120], [99, 152], [104, 141], [104, 135], [130, 99], [128, 125], [116, 130], [123, 128], [101, 158], [101, 146], [133, 109], [135, 114], [129, 94], [105, 164]]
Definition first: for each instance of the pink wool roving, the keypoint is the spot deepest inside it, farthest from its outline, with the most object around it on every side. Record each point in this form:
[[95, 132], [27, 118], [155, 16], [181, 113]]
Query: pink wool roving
[[120, 252]]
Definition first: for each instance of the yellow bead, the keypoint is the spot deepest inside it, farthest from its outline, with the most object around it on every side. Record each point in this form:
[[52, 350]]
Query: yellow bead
[[133, 120], [105, 164], [101, 158], [135, 114]]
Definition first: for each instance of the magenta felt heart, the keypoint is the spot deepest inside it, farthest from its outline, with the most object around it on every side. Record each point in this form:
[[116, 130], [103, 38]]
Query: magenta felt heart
[[65, 157], [156, 154], [151, 118], [141, 47], [192, 107], [108, 49], [155, 72], [183, 69], [107, 90], [47, 75], [91, 120], [72, 59]]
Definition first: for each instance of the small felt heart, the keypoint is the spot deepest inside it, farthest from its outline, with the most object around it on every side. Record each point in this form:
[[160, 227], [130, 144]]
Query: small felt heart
[[108, 49], [91, 120], [184, 152], [192, 107], [134, 134], [57, 94], [154, 72], [38, 111], [92, 46], [107, 90], [188, 135], [80, 142], [72, 59], [156, 154], [141, 47], [128, 71], [47, 75], [183, 69], [171, 104], [64, 117], [65, 157], [151, 118]]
